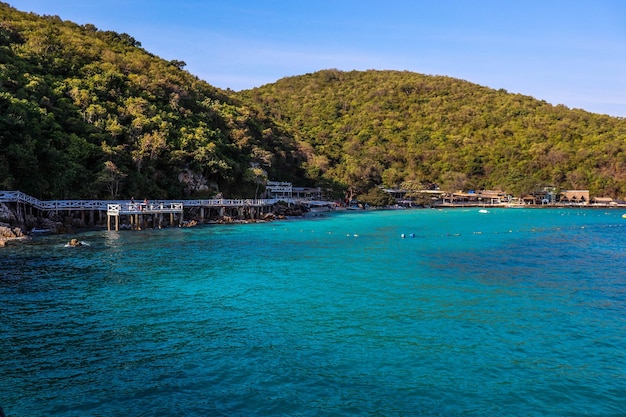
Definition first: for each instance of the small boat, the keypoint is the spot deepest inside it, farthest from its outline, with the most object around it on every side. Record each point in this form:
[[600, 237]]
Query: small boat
[[483, 211]]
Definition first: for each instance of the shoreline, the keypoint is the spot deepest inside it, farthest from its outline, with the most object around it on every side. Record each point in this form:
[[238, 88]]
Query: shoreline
[[27, 236]]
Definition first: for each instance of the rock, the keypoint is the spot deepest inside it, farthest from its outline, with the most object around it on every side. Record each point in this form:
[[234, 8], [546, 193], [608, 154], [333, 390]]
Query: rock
[[50, 225], [9, 232], [193, 182], [269, 217], [191, 223], [294, 210], [6, 215]]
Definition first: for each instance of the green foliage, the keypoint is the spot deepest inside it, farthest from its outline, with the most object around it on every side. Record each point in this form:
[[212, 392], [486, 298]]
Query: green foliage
[[376, 197], [362, 129], [86, 113], [81, 109]]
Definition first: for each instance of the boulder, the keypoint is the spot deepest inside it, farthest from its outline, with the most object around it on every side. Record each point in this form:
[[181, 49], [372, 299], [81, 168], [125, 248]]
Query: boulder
[[8, 232], [50, 225], [6, 215]]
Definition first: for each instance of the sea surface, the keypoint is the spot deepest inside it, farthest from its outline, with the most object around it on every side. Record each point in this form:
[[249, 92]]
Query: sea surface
[[514, 312]]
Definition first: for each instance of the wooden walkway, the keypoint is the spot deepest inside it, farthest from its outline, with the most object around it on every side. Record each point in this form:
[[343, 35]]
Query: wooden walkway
[[136, 211]]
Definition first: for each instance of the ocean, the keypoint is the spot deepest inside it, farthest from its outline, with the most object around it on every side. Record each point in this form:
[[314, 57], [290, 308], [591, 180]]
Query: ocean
[[514, 312]]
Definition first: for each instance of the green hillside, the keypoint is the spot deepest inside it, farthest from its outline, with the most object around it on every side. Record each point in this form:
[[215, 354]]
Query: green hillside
[[86, 113], [367, 128]]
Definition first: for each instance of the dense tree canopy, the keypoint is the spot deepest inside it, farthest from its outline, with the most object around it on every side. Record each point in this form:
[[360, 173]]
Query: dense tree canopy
[[368, 128], [87, 113]]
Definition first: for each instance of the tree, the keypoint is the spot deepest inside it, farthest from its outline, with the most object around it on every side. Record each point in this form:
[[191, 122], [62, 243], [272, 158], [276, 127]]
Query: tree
[[257, 176], [111, 177], [376, 197]]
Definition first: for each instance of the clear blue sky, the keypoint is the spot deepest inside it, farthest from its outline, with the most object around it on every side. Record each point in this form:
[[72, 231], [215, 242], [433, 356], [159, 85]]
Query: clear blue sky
[[567, 52]]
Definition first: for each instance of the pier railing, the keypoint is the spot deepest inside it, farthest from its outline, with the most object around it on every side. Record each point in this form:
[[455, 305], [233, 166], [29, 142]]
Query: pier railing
[[124, 205], [141, 208]]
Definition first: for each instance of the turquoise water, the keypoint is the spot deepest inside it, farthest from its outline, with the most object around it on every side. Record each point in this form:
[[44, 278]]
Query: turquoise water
[[511, 313]]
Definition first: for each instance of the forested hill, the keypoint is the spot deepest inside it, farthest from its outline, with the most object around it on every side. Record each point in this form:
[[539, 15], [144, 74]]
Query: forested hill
[[389, 127], [88, 113]]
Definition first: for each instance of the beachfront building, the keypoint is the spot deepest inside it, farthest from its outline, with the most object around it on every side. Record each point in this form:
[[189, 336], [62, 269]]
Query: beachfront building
[[604, 201], [404, 198], [278, 190], [398, 194], [286, 190], [307, 193], [580, 197], [481, 197]]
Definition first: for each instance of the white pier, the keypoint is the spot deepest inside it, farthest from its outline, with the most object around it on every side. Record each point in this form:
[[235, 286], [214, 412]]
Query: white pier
[[141, 214], [138, 211]]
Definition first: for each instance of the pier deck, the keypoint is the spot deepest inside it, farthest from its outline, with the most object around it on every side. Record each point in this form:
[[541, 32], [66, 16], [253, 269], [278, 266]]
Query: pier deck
[[139, 212]]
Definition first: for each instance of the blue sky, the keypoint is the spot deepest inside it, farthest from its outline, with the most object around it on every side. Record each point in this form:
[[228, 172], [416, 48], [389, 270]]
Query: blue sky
[[567, 52]]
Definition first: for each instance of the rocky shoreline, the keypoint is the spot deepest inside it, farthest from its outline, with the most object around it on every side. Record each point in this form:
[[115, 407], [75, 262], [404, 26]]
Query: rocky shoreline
[[17, 228], [9, 228]]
